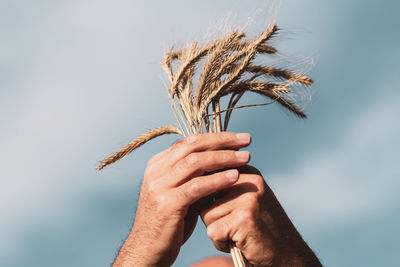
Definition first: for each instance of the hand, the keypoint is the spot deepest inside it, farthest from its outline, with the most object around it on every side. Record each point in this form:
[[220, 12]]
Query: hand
[[250, 215], [174, 179]]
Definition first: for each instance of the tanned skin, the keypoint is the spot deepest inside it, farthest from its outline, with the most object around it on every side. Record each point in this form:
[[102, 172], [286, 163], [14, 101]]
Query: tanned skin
[[176, 190]]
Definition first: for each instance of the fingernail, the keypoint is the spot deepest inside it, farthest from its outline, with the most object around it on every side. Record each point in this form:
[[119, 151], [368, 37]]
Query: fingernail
[[232, 175], [242, 155], [243, 137]]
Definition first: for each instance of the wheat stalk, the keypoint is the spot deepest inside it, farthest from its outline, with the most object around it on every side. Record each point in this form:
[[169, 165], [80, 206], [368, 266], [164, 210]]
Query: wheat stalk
[[227, 70]]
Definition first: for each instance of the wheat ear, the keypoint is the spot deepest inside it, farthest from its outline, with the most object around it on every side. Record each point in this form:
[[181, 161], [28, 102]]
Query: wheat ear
[[144, 138]]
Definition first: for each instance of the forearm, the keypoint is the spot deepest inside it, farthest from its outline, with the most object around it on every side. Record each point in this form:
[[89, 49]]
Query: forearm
[[296, 253], [292, 249]]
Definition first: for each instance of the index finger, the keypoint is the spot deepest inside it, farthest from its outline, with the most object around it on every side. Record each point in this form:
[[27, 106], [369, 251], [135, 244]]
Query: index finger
[[204, 142]]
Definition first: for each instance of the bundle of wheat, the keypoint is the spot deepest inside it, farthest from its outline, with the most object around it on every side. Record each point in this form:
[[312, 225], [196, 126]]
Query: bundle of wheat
[[227, 70]]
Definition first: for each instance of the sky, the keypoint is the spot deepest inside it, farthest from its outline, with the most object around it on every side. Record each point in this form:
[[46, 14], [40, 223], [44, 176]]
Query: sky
[[80, 79]]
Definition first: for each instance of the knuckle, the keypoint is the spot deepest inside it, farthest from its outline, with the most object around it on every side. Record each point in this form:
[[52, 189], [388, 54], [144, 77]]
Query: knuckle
[[222, 137], [149, 170], [258, 181], [218, 156], [225, 156], [153, 187], [186, 163], [216, 179], [193, 188], [217, 231], [224, 228], [153, 159], [243, 217], [211, 232], [227, 137], [188, 140], [188, 192], [191, 159], [192, 139], [230, 136], [177, 168], [177, 144], [241, 238], [160, 202]]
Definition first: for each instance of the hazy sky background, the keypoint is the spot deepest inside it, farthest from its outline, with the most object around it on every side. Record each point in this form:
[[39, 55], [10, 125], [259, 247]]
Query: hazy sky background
[[79, 79]]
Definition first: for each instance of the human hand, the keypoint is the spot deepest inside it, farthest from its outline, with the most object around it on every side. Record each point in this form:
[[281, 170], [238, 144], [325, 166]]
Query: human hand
[[174, 179], [249, 214]]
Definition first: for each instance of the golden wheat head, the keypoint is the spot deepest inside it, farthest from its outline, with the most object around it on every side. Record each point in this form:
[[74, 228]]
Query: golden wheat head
[[227, 69]]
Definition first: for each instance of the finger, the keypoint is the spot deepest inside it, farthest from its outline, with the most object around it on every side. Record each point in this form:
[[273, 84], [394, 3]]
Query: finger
[[231, 201], [220, 208], [237, 227], [203, 186], [217, 212], [242, 193], [198, 163], [203, 142], [219, 233]]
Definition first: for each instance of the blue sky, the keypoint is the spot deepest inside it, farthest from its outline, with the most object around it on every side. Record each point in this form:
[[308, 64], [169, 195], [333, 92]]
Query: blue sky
[[80, 79]]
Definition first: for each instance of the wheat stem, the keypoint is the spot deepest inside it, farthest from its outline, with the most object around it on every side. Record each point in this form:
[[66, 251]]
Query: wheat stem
[[231, 107], [244, 106], [218, 112], [176, 109], [237, 256], [214, 118]]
